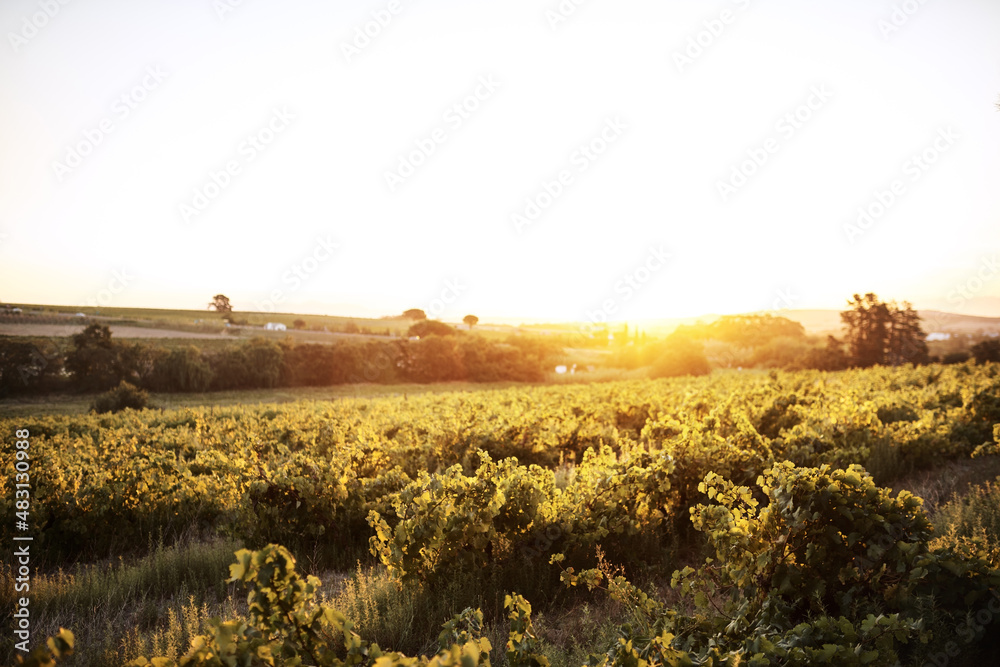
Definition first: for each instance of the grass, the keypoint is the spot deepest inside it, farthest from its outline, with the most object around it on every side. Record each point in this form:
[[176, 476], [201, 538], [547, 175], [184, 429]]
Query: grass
[[119, 611], [409, 617], [155, 605], [71, 404], [169, 317], [950, 480], [570, 636], [971, 523]]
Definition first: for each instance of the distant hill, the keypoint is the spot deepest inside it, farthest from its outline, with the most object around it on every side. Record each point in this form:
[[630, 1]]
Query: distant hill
[[821, 322], [815, 322], [824, 322], [936, 320]]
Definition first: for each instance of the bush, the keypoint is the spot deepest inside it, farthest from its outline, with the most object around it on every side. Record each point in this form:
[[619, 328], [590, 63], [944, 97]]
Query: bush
[[288, 619], [971, 524], [818, 566], [123, 396], [231, 369], [430, 328], [955, 358], [988, 350], [264, 359], [783, 352], [433, 359], [309, 365], [682, 356], [829, 358], [28, 367], [483, 361], [94, 362], [183, 369]]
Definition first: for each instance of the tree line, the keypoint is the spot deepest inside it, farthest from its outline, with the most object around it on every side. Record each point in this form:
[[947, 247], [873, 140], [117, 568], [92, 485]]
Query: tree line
[[97, 362], [876, 333]]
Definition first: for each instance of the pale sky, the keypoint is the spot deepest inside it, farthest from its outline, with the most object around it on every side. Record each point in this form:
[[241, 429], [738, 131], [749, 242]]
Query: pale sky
[[685, 157]]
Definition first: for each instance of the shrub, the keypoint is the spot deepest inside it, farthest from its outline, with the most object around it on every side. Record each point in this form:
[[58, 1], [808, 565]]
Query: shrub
[[310, 365], [783, 352], [432, 359], [682, 356], [123, 396], [430, 328], [183, 369], [287, 620], [94, 362], [971, 524], [829, 358], [986, 351], [26, 367], [231, 369], [829, 569], [264, 361], [955, 358]]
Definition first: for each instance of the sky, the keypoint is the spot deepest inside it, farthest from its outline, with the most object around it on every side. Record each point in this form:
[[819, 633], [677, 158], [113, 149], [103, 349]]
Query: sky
[[583, 160]]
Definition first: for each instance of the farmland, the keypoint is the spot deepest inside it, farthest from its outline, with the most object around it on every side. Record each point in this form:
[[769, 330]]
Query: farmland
[[712, 520]]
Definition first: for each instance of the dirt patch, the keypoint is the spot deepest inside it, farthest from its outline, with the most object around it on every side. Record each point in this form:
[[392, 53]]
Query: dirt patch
[[46, 330]]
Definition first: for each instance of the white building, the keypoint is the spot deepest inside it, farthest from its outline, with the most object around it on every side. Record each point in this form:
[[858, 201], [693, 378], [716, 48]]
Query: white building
[[275, 326]]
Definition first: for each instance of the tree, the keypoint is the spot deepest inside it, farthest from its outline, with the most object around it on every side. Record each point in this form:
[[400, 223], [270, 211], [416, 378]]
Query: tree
[[829, 358], [907, 341], [430, 328], [753, 330], [471, 320], [681, 356], [433, 359], [883, 333], [183, 369], [986, 351], [137, 362], [299, 324], [24, 367], [415, 314], [94, 361], [264, 361], [867, 330], [220, 302]]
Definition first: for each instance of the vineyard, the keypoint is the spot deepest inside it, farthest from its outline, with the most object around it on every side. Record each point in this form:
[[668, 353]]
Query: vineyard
[[760, 519]]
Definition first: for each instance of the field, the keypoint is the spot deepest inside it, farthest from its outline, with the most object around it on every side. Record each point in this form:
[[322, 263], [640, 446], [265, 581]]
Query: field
[[67, 330], [704, 521], [175, 320], [79, 404]]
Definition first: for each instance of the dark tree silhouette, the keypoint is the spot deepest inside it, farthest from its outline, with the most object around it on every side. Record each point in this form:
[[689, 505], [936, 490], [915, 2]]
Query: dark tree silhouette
[[94, 361], [220, 302], [986, 351], [430, 328], [883, 333]]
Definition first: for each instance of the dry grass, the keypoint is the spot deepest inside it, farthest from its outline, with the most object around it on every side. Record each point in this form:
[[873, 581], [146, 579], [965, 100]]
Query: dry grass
[[948, 480], [119, 611]]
